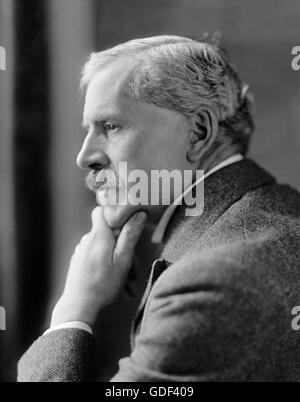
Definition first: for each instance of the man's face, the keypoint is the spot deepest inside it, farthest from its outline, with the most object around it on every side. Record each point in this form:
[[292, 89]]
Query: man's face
[[120, 129]]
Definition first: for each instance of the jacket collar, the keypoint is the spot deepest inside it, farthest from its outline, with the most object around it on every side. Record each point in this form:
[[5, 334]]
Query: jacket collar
[[159, 232], [221, 190]]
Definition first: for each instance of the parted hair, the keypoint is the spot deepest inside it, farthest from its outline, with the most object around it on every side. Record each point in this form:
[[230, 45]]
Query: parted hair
[[183, 74]]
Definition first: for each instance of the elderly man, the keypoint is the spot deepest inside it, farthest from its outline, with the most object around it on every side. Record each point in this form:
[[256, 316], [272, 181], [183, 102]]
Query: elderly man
[[219, 299]]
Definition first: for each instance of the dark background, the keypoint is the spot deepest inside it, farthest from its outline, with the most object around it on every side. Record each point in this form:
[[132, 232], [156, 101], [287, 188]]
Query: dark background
[[44, 206]]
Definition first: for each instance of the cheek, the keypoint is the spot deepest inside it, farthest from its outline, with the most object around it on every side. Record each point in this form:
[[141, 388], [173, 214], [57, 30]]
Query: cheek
[[152, 147], [127, 153], [163, 149], [133, 148]]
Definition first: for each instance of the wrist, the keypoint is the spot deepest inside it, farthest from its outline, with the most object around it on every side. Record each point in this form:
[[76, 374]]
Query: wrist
[[68, 311]]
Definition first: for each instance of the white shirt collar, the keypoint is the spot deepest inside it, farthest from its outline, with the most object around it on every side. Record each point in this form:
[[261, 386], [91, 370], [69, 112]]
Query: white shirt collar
[[159, 232]]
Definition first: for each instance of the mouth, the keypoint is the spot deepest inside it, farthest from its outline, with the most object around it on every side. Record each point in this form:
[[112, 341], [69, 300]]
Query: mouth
[[100, 197], [104, 195], [105, 186], [100, 181]]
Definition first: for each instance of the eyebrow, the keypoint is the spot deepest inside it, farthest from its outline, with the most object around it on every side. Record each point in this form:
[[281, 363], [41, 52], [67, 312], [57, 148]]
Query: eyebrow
[[102, 117]]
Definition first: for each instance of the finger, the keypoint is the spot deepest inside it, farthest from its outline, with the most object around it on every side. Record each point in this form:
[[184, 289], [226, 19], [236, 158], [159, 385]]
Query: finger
[[101, 230], [97, 218], [130, 233]]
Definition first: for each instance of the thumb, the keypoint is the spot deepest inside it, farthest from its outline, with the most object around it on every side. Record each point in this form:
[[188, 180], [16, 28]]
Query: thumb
[[130, 233], [97, 218]]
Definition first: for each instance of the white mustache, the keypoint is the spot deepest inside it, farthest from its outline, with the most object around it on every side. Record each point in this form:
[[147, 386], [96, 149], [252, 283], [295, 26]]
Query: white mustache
[[105, 178]]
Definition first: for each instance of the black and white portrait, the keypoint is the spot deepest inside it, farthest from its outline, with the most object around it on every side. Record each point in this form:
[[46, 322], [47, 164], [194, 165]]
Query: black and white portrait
[[149, 199]]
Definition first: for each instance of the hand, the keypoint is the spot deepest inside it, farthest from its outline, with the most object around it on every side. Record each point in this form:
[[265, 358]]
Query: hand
[[98, 269]]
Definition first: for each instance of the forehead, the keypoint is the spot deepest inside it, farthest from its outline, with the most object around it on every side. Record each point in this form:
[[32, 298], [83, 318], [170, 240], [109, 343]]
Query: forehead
[[105, 92]]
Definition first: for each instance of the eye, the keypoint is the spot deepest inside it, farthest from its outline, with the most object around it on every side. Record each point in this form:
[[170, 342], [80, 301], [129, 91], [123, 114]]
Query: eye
[[111, 127]]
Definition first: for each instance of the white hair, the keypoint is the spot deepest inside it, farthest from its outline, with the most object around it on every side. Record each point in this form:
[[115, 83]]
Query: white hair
[[182, 74]]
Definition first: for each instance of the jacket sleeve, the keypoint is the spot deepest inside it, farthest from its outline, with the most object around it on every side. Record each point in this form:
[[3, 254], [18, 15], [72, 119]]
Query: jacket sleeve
[[205, 320], [65, 355]]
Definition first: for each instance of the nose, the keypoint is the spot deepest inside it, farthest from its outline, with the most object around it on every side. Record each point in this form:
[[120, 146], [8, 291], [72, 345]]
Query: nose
[[92, 154]]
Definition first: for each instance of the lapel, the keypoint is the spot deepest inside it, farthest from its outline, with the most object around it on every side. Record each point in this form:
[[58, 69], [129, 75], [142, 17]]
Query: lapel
[[158, 266], [221, 190]]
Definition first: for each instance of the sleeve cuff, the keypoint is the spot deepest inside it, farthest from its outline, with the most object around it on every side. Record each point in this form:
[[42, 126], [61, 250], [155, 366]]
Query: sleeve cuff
[[71, 324]]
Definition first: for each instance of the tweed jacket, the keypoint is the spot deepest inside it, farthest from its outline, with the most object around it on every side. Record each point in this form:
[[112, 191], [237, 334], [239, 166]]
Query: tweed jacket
[[218, 303]]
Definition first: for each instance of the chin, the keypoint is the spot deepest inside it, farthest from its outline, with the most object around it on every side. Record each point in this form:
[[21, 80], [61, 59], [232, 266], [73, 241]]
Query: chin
[[115, 216]]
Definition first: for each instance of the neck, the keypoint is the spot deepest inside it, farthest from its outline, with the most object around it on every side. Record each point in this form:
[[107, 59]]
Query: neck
[[215, 158], [207, 164]]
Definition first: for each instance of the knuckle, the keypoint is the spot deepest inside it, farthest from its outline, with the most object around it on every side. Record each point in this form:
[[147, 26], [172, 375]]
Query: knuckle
[[96, 213], [84, 238]]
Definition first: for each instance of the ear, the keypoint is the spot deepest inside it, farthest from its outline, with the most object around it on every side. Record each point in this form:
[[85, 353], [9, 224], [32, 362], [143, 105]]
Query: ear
[[203, 132]]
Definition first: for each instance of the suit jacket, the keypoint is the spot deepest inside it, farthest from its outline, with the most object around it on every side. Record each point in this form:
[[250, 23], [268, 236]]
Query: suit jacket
[[218, 302]]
